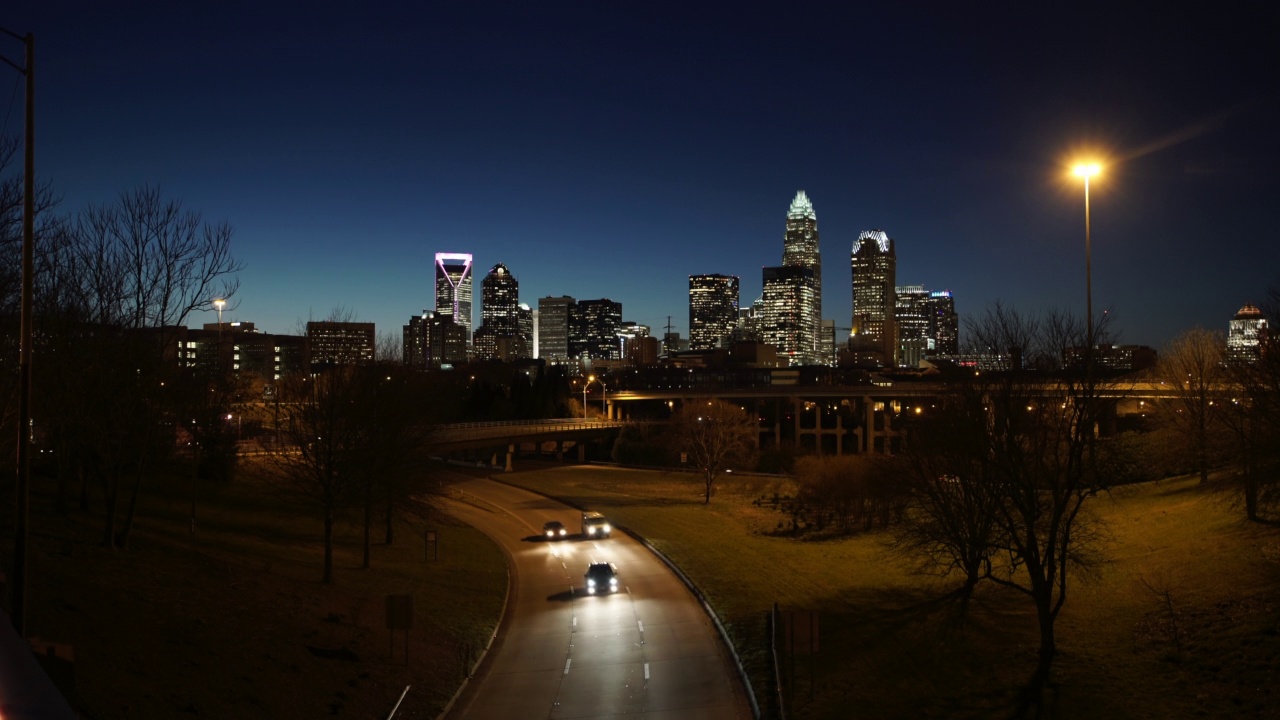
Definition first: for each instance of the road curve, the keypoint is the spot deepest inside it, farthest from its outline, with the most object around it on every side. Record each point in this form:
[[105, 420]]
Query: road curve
[[648, 651]]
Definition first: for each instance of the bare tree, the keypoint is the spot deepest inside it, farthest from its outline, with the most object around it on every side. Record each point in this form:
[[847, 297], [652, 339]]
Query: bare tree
[[116, 291], [1192, 367], [717, 436], [1040, 461], [1004, 496], [316, 462], [949, 524]]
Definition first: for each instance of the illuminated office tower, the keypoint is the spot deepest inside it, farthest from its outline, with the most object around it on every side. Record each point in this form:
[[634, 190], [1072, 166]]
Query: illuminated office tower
[[593, 330], [499, 334], [800, 249], [911, 314], [553, 328], [944, 324], [1246, 334], [525, 331], [873, 336], [784, 324], [453, 288], [713, 310]]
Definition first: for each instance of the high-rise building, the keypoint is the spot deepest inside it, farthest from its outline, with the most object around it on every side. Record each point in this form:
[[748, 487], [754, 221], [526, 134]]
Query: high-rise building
[[927, 324], [453, 288], [800, 249], [524, 331], [1246, 334], [433, 339], [873, 334], [340, 343], [911, 315], [593, 330], [416, 341], [713, 310], [944, 324], [500, 315], [788, 291], [553, 328], [500, 300]]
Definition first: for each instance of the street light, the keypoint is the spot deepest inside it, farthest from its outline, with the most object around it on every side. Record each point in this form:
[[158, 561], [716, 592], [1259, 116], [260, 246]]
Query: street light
[[219, 303], [1086, 171], [590, 379]]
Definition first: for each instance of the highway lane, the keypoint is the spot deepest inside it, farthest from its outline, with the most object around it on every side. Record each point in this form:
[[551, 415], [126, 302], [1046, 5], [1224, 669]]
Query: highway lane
[[648, 651]]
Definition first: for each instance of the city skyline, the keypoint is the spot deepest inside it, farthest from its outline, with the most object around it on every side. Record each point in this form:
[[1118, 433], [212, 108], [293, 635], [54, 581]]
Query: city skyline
[[612, 153]]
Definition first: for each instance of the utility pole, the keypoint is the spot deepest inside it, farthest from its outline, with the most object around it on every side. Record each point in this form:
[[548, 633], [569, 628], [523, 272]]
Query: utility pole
[[19, 604]]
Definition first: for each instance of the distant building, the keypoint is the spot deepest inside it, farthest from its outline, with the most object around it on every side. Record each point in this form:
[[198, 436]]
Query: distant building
[[340, 343], [525, 331], [873, 335], [713, 310], [1117, 358], [246, 350], [789, 291], [800, 249], [827, 343], [416, 341], [1246, 334], [593, 330], [944, 323], [453, 288], [553, 328], [926, 322], [500, 317], [911, 314]]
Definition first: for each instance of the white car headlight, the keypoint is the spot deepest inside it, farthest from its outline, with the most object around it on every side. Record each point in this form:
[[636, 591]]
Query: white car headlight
[[604, 528]]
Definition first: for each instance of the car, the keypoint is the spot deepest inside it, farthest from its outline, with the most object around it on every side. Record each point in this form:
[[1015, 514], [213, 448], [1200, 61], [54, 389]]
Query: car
[[602, 578], [555, 530], [595, 525]]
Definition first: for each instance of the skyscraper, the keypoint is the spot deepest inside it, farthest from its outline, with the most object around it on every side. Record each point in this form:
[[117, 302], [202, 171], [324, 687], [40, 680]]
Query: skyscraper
[[944, 324], [784, 324], [713, 309], [1246, 334], [874, 336], [800, 249], [499, 313], [553, 328], [453, 288], [911, 314], [593, 329]]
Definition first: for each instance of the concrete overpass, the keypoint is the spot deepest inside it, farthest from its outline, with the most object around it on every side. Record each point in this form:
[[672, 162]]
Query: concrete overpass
[[510, 434]]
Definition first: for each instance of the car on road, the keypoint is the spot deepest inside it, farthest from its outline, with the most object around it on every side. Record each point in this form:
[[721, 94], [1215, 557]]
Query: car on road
[[555, 530], [602, 577], [595, 525]]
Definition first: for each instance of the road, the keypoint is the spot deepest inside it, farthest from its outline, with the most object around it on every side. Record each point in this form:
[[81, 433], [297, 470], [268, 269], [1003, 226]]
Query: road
[[648, 651]]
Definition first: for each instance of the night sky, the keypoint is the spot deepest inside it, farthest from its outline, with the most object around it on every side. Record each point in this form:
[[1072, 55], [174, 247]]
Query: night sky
[[611, 149]]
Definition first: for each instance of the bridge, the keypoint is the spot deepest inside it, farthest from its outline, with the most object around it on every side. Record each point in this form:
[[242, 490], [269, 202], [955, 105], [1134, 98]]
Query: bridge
[[824, 418], [511, 434]]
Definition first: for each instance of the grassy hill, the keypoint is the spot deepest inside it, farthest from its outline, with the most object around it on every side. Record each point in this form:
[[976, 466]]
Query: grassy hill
[[1181, 620]]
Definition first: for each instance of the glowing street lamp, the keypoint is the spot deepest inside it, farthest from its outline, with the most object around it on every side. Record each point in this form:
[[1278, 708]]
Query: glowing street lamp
[[590, 378], [1086, 171]]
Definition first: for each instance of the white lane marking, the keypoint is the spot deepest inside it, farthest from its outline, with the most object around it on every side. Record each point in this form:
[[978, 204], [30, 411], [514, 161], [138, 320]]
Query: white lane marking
[[646, 671], [575, 621], [641, 624], [566, 668]]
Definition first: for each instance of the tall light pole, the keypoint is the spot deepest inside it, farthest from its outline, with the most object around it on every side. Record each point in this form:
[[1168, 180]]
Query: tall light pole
[[18, 607], [590, 379], [1086, 171], [219, 302]]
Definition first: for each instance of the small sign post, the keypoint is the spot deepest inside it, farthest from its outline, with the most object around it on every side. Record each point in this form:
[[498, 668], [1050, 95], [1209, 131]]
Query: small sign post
[[432, 547]]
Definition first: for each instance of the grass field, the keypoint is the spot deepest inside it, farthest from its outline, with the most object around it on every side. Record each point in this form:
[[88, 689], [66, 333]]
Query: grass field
[[234, 623], [1180, 621]]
